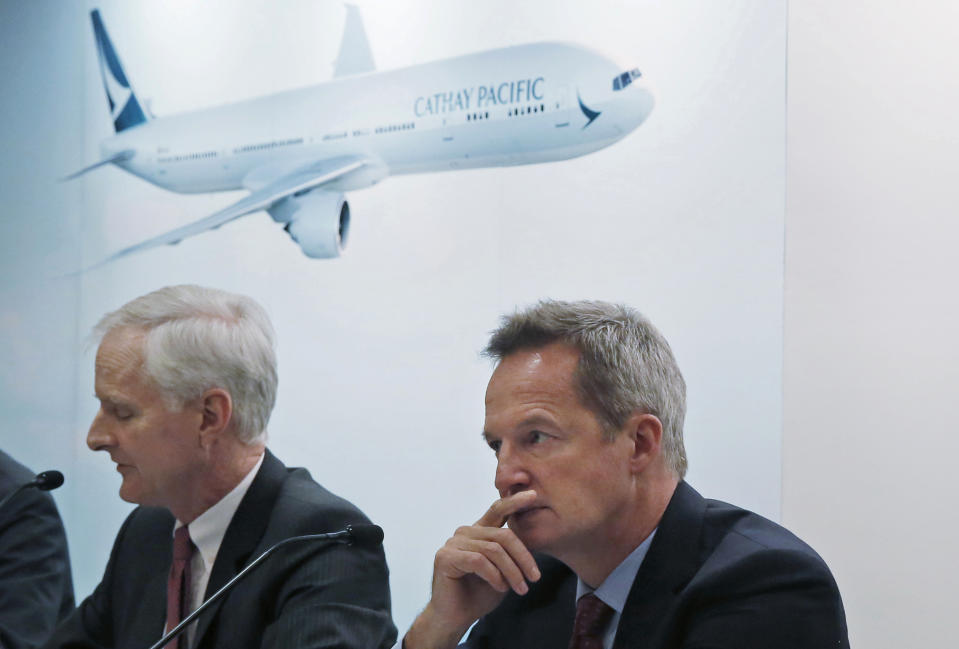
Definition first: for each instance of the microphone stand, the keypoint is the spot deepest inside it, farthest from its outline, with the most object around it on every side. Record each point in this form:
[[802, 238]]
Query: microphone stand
[[345, 536], [45, 481]]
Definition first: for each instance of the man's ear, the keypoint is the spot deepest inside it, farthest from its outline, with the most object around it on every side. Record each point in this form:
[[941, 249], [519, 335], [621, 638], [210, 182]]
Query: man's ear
[[217, 411], [645, 434]]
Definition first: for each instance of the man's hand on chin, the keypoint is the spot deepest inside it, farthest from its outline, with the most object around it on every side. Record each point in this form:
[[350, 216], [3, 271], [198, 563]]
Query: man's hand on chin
[[472, 573]]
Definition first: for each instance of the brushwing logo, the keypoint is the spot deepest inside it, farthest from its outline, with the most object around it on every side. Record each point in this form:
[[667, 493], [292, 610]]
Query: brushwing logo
[[590, 114], [118, 93]]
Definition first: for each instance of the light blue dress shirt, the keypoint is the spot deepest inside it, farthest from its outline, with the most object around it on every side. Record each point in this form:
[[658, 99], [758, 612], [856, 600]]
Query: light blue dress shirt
[[615, 588]]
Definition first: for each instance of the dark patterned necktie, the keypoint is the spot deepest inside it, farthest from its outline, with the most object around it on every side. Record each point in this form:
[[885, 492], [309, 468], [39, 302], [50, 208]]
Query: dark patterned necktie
[[592, 617], [178, 585]]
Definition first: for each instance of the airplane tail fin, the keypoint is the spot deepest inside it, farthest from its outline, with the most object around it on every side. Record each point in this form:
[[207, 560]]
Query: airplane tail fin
[[355, 56], [124, 106]]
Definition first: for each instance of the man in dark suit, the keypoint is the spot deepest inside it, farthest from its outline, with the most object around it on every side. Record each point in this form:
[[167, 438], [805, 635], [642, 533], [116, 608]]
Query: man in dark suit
[[186, 379], [606, 545], [36, 590]]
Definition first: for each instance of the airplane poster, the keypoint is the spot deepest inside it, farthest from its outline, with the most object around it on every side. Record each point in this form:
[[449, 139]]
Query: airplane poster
[[297, 151]]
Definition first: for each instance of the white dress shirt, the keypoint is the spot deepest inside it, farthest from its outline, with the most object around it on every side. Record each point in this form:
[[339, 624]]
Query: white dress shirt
[[207, 532]]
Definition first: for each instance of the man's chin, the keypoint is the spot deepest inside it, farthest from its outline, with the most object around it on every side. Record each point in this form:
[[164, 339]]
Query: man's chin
[[126, 496], [131, 493]]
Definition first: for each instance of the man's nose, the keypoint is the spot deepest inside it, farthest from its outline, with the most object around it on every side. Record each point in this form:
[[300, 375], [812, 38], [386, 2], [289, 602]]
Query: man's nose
[[99, 436], [512, 475]]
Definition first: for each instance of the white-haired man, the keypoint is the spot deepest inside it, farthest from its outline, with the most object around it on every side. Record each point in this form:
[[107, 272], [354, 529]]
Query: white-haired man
[[186, 379], [584, 412]]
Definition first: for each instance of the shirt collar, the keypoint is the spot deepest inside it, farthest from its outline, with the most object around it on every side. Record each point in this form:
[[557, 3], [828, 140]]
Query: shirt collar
[[615, 588], [208, 529]]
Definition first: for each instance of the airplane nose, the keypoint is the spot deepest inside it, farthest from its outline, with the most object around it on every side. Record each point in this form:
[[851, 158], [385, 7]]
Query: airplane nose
[[640, 104], [629, 108]]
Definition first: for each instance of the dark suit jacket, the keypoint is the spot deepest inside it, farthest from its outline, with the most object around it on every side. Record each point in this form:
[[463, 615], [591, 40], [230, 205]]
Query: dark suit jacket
[[36, 590], [305, 595], [716, 576]]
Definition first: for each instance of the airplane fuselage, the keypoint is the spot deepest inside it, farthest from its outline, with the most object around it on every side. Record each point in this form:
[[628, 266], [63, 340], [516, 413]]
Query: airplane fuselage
[[517, 105]]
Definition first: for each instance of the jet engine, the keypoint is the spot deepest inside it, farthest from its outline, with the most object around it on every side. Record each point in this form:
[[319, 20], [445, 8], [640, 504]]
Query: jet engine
[[319, 221]]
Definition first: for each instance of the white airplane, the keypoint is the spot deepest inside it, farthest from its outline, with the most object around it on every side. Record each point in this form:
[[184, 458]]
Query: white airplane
[[297, 151]]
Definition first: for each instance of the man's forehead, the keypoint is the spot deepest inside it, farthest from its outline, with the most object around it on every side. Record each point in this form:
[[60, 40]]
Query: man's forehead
[[120, 350], [532, 383], [553, 364]]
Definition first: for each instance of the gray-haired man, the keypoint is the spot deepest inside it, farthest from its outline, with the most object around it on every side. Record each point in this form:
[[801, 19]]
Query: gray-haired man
[[584, 412], [186, 379]]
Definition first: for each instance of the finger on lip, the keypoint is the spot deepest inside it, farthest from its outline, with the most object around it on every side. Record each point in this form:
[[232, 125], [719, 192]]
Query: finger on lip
[[522, 513], [518, 502], [505, 507]]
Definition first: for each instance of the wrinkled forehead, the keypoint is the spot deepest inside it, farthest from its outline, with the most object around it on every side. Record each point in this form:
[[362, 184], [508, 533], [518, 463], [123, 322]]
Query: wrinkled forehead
[[121, 351]]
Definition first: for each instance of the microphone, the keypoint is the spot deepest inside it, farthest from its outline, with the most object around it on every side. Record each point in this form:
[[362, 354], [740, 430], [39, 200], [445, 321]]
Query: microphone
[[365, 536], [362, 536], [43, 481], [47, 480]]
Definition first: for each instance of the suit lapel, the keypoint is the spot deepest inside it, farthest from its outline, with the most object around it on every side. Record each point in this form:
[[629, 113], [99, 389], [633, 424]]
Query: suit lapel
[[541, 619], [242, 536], [553, 626], [147, 598], [151, 612], [672, 561], [551, 610]]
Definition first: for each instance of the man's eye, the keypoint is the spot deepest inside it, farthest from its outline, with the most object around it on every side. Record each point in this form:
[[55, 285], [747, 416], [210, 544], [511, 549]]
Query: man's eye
[[122, 414], [535, 437]]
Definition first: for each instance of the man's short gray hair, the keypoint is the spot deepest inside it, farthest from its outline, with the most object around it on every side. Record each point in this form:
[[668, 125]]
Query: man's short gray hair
[[201, 338], [625, 364]]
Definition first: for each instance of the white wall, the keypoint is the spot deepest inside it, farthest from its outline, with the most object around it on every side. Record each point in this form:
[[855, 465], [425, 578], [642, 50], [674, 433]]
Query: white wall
[[872, 310]]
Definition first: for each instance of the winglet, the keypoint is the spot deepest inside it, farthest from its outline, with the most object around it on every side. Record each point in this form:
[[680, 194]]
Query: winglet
[[355, 56], [124, 107]]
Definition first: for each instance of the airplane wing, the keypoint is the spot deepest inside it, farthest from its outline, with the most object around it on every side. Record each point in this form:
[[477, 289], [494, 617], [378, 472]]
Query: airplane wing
[[300, 180]]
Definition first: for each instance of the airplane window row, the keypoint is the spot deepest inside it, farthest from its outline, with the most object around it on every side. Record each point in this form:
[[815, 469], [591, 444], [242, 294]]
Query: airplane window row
[[268, 145], [335, 136], [395, 127], [626, 78], [190, 156], [526, 110], [476, 116]]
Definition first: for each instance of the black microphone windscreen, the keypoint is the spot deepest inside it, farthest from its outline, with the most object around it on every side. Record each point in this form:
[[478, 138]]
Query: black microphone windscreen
[[365, 536], [48, 480]]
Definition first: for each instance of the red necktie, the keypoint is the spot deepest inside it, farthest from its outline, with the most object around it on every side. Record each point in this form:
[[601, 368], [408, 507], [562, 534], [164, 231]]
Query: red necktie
[[178, 585], [592, 617]]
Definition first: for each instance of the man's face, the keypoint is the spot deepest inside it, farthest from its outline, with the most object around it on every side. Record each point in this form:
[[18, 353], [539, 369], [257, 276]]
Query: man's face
[[547, 441], [156, 449]]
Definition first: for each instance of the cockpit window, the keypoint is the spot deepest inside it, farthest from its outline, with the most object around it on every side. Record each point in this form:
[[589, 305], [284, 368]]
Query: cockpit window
[[626, 78]]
